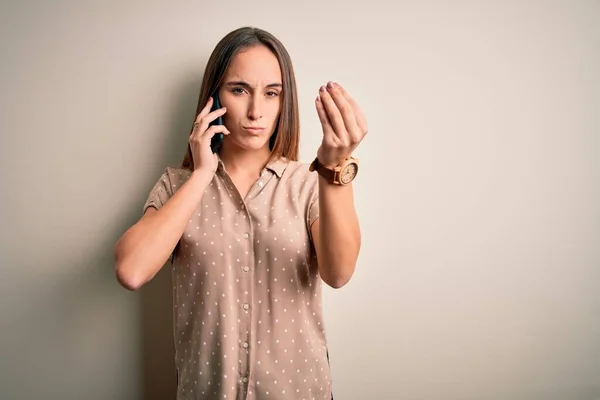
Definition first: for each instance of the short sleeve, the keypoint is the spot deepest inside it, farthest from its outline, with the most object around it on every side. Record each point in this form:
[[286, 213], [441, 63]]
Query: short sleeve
[[160, 193], [312, 211], [313, 207]]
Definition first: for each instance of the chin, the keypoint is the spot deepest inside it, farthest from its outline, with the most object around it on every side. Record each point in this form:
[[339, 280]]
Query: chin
[[251, 143]]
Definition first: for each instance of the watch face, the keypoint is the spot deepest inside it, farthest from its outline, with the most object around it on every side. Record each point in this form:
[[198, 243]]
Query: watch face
[[348, 173]]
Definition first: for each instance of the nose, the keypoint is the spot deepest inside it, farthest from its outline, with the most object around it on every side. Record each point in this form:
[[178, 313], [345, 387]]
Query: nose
[[255, 107]]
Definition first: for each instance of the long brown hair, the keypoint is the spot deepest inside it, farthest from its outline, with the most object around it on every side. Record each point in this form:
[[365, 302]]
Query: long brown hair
[[284, 141]]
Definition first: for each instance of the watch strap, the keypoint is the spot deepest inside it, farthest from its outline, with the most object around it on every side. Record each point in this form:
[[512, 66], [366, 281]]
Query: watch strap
[[326, 173]]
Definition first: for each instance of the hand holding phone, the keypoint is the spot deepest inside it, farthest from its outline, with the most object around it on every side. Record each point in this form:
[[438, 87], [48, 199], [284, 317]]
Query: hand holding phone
[[208, 127], [217, 139]]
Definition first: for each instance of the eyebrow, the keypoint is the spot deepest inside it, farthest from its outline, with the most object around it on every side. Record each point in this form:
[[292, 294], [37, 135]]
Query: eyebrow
[[247, 85]]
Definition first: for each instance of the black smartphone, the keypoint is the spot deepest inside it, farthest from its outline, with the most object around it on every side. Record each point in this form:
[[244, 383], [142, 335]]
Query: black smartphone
[[217, 139]]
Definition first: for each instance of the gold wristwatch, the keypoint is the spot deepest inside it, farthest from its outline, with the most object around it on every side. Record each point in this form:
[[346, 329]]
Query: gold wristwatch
[[341, 174]]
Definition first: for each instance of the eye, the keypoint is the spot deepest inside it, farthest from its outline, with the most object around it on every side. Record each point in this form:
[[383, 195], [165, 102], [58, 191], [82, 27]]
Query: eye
[[237, 90], [272, 93]]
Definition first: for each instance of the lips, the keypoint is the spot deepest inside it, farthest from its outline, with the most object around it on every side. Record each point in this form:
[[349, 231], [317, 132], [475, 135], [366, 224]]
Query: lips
[[253, 129]]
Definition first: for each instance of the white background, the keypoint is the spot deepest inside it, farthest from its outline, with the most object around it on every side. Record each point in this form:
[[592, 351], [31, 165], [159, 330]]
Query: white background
[[478, 194]]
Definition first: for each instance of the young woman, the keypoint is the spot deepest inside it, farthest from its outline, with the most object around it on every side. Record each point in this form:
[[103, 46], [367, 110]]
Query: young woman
[[251, 231]]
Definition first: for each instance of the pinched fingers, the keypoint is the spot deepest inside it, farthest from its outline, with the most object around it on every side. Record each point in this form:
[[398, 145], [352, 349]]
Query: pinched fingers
[[341, 114], [328, 132], [333, 114], [358, 113]]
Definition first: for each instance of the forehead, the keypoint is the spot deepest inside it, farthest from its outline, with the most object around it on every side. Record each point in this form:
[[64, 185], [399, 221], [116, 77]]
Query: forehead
[[256, 65]]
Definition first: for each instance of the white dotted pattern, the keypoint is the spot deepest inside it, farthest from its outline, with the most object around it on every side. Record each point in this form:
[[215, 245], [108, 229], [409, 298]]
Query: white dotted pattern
[[247, 294]]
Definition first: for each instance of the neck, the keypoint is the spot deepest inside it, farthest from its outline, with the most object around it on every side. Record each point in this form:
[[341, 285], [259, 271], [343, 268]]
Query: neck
[[238, 160]]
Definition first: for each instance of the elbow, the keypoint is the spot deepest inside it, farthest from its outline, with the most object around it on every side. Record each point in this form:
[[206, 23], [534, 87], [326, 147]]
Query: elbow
[[341, 273], [338, 274], [340, 279], [337, 283], [125, 275], [128, 281]]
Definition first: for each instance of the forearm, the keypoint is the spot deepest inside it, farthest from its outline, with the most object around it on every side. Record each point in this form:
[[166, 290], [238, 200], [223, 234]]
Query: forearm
[[145, 247], [339, 233]]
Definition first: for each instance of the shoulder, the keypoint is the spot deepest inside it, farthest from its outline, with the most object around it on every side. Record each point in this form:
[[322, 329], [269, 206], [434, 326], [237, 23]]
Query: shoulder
[[298, 171], [177, 173], [173, 177], [302, 182]]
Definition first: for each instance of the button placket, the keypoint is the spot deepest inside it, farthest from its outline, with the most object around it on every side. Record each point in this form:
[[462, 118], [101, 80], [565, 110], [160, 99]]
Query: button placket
[[246, 288]]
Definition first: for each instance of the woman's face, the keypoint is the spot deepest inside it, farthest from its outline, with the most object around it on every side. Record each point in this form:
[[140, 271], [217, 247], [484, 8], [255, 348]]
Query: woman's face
[[252, 91]]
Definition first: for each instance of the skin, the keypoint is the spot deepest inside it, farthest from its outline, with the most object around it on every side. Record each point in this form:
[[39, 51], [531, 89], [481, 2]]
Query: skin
[[251, 97], [337, 233], [251, 92]]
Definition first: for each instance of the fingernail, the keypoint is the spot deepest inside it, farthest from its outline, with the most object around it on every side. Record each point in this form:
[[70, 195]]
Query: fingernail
[[330, 85], [322, 88]]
